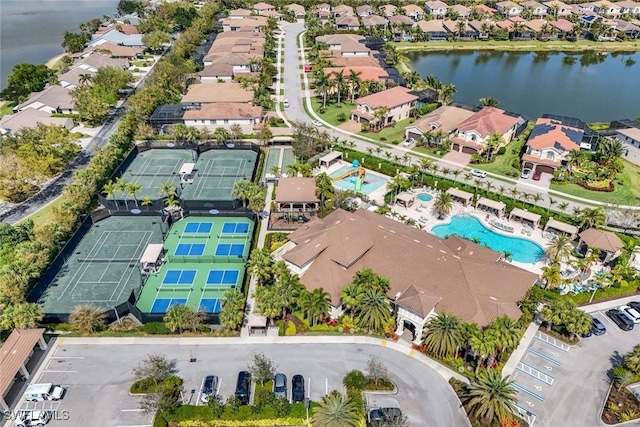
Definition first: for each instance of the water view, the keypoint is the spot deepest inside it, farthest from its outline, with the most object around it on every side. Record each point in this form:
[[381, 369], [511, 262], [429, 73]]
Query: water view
[[31, 31], [591, 86]]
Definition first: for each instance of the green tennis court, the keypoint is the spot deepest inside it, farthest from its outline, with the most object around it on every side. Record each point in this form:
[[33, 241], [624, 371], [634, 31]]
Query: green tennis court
[[104, 267], [198, 281]]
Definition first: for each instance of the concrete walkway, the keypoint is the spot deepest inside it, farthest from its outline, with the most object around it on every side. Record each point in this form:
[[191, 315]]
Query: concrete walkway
[[606, 305], [528, 336]]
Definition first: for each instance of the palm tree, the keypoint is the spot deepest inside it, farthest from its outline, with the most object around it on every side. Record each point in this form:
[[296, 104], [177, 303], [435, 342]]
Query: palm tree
[[514, 193], [484, 346], [592, 218], [178, 318], [447, 92], [354, 81], [552, 202], [350, 297], [559, 249], [167, 189], [622, 376], [493, 143], [121, 185], [555, 312], [492, 396], [260, 265], [507, 333], [336, 410], [578, 322], [86, 319], [551, 276], [563, 206], [132, 189], [339, 83], [489, 101], [314, 304], [324, 188], [84, 79], [443, 204], [374, 310], [146, 201], [323, 84], [109, 190], [632, 359], [22, 315], [537, 198], [232, 311], [443, 334]]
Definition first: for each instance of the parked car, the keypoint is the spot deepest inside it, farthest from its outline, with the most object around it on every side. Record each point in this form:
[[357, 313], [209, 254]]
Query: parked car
[[243, 387], [479, 173], [631, 312], [385, 415], [526, 173], [407, 142], [621, 319], [286, 103], [317, 123], [32, 418], [209, 387], [597, 327], [297, 389], [635, 305], [280, 385], [537, 175]]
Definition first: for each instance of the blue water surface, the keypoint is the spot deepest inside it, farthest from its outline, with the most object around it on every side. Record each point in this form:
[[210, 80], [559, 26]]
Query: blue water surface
[[469, 227]]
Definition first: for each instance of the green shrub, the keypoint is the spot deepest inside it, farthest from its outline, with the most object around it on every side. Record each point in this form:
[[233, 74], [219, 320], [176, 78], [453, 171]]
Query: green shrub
[[160, 421], [155, 328], [502, 151], [355, 380], [342, 117], [291, 329], [280, 325]]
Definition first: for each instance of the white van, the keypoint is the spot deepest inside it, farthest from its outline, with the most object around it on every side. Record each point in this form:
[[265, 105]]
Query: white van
[[32, 418], [43, 391]]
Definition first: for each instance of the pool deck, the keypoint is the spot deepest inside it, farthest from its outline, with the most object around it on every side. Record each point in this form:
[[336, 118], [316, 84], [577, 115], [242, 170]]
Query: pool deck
[[377, 195], [422, 213]]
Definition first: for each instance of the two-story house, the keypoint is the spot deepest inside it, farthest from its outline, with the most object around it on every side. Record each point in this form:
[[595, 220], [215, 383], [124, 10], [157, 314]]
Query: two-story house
[[364, 10], [261, 8], [414, 12], [549, 144], [558, 9], [347, 22], [342, 10], [461, 10], [608, 9], [388, 10], [629, 6], [397, 103], [539, 10], [508, 8], [436, 8], [472, 134]]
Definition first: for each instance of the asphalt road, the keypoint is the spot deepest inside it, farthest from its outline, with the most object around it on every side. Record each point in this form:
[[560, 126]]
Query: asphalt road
[[97, 378]]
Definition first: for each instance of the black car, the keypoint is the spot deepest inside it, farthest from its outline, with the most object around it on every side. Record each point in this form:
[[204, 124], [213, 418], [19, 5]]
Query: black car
[[597, 327], [621, 319], [243, 387], [379, 415], [209, 386], [297, 389]]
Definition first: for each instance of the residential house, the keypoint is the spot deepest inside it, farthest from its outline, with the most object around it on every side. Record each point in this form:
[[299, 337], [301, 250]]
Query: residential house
[[364, 10], [365, 73], [323, 7], [608, 9], [586, 8], [631, 30], [239, 13], [223, 114], [398, 102], [562, 27], [428, 275], [205, 93], [629, 6], [250, 23], [120, 26], [472, 134], [508, 8], [118, 38], [436, 8], [342, 10], [354, 61], [483, 28], [53, 99], [217, 72], [629, 136], [345, 44], [444, 119], [434, 29], [75, 77], [30, 118], [96, 60], [272, 14], [461, 10], [485, 10], [539, 10], [455, 27], [536, 26], [388, 10], [347, 22], [414, 12], [261, 8], [323, 16], [401, 27], [298, 11], [549, 144], [558, 9], [373, 21], [114, 50]]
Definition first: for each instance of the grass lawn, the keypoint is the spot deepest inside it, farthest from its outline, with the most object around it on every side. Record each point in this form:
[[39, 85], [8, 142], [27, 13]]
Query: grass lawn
[[627, 190], [392, 135], [502, 163], [528, 46], [45, 215], [332, 111], [6, 108], [430, 151]]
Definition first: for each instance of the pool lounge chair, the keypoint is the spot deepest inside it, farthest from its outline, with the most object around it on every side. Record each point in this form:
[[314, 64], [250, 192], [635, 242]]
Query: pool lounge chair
[[419, 210]]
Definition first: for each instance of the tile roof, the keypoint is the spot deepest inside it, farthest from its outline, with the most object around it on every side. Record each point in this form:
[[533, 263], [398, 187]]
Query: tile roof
[[401, 19], [217, 92], [262, 6], [364, 72], [114, 49], [445, 119], [549, 133], [488, 121], [373, 20], [347, 21], [224, 110], [296, 189], [418, 301], [469, 279], [603, 240], [29, 118], [389, 98], [433, 25], [53, 96], [562, 24]]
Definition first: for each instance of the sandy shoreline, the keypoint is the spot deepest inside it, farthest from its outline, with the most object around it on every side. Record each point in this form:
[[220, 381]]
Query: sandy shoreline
[[50, 63]]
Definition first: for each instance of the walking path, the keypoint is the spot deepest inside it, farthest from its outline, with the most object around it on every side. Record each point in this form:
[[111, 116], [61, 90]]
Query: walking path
[[528, 336]]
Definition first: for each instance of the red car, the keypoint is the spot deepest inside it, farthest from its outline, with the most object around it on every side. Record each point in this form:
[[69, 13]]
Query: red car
[[537, 175]]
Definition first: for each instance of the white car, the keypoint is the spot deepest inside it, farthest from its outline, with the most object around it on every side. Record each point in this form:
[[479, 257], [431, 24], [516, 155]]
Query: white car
[[526, 173], [32, 418], [631, 312], [407, 142], [286, 103], [317, 123], [479, 173]]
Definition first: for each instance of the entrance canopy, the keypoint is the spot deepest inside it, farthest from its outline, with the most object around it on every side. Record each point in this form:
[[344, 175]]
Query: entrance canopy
[[523, 215], [329, 159], [460, 195], [151, 253], [491, 206], [561, 227]]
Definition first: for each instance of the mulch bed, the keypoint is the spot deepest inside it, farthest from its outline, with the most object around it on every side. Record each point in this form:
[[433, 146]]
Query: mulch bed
[[629, 407]]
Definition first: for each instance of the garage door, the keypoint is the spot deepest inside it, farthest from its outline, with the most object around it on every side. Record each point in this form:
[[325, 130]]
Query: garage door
[[455, 147], [544, 169], [414, 135], [468, 150]]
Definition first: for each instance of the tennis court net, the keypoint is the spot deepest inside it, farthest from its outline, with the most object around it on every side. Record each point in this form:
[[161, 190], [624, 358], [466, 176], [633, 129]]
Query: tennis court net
[[107, 260], [163, 173], [222, 175]]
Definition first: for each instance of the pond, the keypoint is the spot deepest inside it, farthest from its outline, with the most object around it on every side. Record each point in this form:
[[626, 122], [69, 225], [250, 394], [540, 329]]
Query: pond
[[590, 86]]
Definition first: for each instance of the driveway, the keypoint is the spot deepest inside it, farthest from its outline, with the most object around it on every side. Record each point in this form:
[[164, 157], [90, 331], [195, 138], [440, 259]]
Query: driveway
[[98, 376], [529, 184], [460, 159]]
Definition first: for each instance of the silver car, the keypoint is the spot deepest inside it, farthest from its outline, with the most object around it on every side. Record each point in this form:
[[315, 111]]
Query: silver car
[[280, 385]]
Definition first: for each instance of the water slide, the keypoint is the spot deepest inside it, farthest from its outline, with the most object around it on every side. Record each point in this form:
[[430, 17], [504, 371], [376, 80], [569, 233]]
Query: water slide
[[359, 172]]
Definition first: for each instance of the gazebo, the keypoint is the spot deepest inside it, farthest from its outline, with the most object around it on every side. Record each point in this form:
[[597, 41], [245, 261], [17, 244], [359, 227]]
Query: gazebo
[[555, 226], [460, 196], [525, 216], [405, 199], [491, 206], [331, 158], [297, 196], [607, 242]]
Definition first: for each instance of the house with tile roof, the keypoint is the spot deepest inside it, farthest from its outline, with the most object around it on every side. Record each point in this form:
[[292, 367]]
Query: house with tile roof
[[118, 38], [539, 10], [30, 118], [398, 102], [472, 134], [342, 10], [261, 8], [461, 10], [111, 49], [223, 114], [372, 21], [549, 144], [607, 242], [434, 29], [558, 9], [53, 99], [629, 6], [347, 22], [444, 119], [205, 93], [298, 11], [388, 10], [508, 8], [436, 8], [414, 12], [428, 275], [364, 10], [365, 73]]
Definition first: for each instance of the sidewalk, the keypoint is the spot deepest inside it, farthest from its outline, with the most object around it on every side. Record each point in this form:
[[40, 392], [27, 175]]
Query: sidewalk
[[528, 336], [605, 305]]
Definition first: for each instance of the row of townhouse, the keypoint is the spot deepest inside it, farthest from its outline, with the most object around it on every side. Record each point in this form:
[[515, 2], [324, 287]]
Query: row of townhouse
[[219, 99]]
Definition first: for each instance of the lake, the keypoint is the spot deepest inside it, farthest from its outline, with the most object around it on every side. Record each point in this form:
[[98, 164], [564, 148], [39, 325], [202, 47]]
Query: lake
[[590, 86], [31, 31]]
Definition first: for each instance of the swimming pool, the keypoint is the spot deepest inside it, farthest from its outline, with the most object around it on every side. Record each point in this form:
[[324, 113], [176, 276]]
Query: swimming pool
[[469, 227], [371, 182], [424, 197]]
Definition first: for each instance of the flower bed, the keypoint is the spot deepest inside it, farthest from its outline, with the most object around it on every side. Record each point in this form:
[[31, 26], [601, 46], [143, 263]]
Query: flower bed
[[602, 186], [621, 406]]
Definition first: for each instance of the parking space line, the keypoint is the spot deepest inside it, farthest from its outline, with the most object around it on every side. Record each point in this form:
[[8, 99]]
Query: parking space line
[[67, 357], [529, 392], [535, 373], [552, 341], [56, 371], [131, 410], [608, 319], [544, 356], [529, 416]]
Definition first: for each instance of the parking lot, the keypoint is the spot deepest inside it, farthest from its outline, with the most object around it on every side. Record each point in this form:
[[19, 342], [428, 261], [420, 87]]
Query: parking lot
[[98, 377], [566, 385]]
